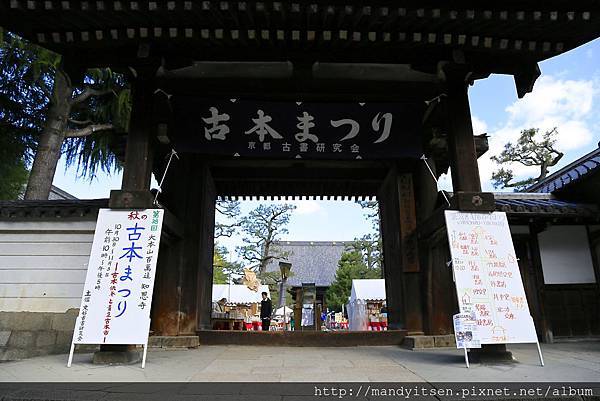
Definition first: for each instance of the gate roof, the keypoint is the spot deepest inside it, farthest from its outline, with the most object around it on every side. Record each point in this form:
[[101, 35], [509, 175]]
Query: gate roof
[[493, 36]]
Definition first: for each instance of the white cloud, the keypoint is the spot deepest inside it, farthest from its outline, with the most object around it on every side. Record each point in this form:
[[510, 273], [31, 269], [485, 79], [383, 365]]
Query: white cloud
[[305, 207], [479, 126], [564, 104]]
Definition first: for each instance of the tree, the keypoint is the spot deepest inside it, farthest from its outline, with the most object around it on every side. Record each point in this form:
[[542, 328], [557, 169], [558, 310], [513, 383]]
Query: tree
[[42, 107], [228, 210], [224, 271], [263, 226], [23, 100], [351, 266], [12, 166], [529, 152], [79, 120], [369, 245]]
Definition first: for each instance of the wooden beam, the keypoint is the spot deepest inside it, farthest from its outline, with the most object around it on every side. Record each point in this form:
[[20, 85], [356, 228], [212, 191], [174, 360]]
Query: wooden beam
[[462, 153], [138, 153]]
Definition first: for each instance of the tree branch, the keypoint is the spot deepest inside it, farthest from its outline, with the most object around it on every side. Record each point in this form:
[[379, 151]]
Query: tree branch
[[89, 92], [89, 130], [80, 122]]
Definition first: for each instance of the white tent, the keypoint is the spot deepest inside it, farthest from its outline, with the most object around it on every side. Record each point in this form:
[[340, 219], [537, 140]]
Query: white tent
[[363, 290], [288, 311], [368, 290], [238, 293]]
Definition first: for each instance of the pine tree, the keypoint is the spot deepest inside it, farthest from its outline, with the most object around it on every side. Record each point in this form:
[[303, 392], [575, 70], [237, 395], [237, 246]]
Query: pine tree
[[351, 266]]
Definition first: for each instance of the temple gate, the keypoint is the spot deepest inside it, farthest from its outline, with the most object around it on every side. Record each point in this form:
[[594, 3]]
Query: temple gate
[[400, 71]]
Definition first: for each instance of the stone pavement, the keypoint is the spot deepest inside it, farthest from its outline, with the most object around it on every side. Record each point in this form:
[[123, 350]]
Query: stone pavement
[[566, 362]]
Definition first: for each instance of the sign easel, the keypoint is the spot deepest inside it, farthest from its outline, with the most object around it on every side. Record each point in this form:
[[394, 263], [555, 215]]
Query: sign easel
[[144, 354], [488, 281], [115, 306]]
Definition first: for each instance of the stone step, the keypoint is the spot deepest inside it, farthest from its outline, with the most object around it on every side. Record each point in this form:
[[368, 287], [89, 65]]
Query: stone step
[[302, 338], [173, 342], [422, 342]]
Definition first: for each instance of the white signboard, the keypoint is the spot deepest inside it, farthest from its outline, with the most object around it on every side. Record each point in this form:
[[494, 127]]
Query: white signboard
[[466, 331], [487, 276], [115, 306]]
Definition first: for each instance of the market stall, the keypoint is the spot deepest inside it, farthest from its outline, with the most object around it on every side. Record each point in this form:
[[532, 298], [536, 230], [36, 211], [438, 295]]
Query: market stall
[[282, 319], [236, 307], [366, 305]]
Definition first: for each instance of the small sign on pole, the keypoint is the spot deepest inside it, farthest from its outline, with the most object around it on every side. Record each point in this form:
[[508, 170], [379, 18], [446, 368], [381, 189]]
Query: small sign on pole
[[466, 333], [115, 306], [488, 279]]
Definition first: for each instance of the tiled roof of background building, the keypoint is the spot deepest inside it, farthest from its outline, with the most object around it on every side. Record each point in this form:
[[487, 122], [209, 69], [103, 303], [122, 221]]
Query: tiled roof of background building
[[312, 261], [569, 174]]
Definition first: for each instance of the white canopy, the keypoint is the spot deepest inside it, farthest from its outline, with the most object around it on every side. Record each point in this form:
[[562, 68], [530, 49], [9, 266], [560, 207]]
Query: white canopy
[[238, 293], [368, 290], [288, 311]]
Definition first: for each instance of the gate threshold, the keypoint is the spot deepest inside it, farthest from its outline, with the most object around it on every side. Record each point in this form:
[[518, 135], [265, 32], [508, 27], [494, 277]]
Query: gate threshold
[[302, 338]]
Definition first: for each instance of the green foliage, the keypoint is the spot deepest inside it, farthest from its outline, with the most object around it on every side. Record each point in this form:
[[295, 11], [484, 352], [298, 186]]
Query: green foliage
[[262, 226], [24, 94], [12, 165], [223, 270], [351, 266], [528, 151], [111, 106], [228, 212], [370, 245], [25, 89], [26, 81]]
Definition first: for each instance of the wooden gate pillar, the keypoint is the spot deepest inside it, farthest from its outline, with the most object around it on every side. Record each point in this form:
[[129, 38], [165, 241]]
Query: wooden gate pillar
[[135, 187], [400, 253], [461, 146], [137, 171], [197, 214]]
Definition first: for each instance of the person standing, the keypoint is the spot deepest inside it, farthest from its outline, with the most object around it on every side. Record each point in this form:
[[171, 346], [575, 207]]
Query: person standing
[[266, 308]]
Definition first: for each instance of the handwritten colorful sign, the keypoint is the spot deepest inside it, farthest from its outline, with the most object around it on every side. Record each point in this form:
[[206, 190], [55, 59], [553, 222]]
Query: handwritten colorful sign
[[115, 306], [487, 277]]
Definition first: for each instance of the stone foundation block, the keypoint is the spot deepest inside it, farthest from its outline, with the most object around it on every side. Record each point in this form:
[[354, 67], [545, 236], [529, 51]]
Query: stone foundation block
[[444, 341], [173, 342], [22, 339], [116, 357], [418, 342], [15, 354], [64, 321], [64, 338], [45, 339], [25, 321], [4, 336]]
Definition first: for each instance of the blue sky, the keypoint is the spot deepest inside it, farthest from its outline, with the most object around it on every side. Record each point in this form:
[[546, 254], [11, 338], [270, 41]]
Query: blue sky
[[566, 96]]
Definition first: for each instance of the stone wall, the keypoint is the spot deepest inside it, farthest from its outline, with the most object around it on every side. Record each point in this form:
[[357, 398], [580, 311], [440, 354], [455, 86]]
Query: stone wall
[[29, 334]]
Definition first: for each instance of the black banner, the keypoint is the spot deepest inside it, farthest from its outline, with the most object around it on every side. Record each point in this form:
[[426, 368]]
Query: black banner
[[287, 130]]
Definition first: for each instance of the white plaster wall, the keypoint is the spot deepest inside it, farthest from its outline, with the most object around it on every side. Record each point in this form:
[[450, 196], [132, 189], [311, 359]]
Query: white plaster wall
[[43, 264], [566, 255]]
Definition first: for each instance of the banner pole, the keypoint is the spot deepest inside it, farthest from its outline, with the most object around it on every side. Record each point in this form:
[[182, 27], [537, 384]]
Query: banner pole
[[466, 357], [540, 353], [71, 354]]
